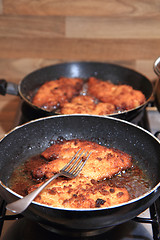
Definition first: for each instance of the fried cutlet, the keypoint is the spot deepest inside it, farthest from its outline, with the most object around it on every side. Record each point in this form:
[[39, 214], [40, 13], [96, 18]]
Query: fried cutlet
[[84, 100], [51, 95], [103, 163], [80, 192], [79, 104], [104, 108], [101, 89], [86, 105], [88, 189], [127, 98], [64, 95], [123, 97]]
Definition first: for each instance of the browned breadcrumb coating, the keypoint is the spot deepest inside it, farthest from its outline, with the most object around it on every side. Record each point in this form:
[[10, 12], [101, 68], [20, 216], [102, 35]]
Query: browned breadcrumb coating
[[65, 96], [79, 104], [86, 105], [88, 189], [103, 162], [104, 108], [54, 93], [83, 99], [79, 193], [123, 97]]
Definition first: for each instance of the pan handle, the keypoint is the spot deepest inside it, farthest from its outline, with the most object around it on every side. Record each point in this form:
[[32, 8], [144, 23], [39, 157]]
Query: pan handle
[[8, 88]]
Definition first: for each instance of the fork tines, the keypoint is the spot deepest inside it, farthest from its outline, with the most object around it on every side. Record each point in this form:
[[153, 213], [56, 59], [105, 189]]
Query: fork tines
[[77, 163]]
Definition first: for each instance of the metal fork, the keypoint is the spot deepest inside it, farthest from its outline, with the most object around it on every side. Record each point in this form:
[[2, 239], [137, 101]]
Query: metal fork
[[70, 170]]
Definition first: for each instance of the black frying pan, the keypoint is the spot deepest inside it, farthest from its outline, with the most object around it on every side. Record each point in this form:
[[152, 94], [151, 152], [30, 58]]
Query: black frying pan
[[105, 71], [34, 137]]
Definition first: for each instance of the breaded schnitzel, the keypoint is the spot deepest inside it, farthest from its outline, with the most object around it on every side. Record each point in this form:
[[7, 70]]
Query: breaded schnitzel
[[80, 193], [86, 105], [103, 162], [123, 97], [108, 178], [53, 94], [86, 190], [100, 98]]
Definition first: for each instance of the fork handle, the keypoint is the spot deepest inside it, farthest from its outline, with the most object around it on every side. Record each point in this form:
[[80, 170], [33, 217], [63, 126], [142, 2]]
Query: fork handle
[[20, 205]]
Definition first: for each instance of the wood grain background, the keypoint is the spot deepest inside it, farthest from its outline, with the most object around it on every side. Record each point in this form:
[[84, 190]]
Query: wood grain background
[[35, 33]]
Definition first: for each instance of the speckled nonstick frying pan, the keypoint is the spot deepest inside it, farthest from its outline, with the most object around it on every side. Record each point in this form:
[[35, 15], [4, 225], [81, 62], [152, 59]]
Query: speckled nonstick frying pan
[[105, 71], [35, 136]]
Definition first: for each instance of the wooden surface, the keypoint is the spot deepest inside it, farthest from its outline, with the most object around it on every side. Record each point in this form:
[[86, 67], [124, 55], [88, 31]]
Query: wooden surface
[[35, 33], [8, 113]]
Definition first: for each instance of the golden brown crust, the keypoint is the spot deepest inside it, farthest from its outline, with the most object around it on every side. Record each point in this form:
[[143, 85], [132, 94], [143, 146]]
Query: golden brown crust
[[81, 193], [53, 94], [123, 97], [89, 189], [101, 89], [84, 100], [79, 105], [102, 97], [104, 109], [86, 105], [103, 162]]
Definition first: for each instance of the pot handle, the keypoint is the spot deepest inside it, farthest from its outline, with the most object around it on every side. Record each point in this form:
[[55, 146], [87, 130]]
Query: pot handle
[[8, 88]]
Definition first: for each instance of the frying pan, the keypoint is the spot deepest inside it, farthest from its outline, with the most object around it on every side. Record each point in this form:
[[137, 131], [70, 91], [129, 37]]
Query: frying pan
[[35, 136], [105, 71]]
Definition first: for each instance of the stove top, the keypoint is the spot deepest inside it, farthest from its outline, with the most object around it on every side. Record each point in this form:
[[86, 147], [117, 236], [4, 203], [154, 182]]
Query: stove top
[[144, 227], [27, 230]]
